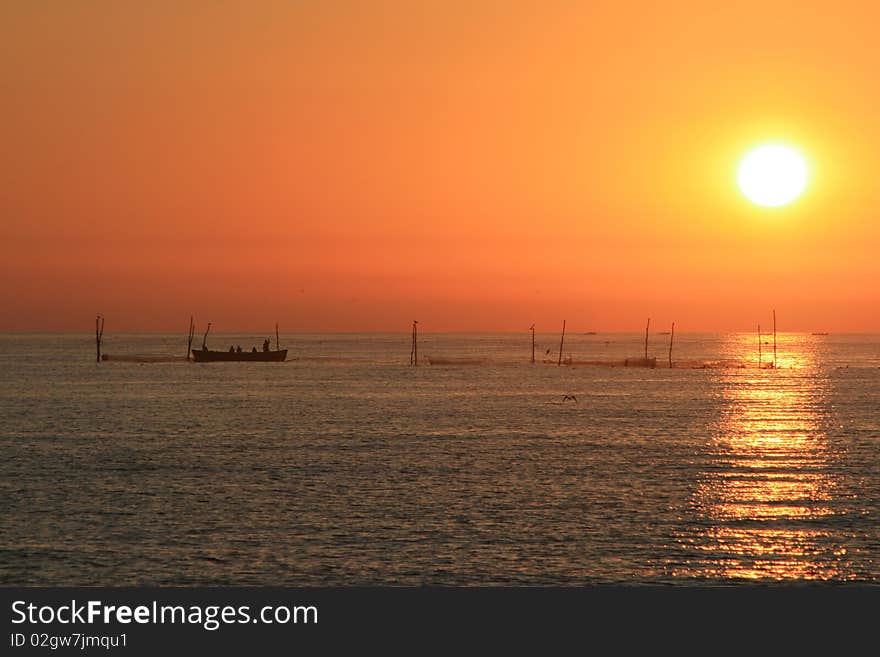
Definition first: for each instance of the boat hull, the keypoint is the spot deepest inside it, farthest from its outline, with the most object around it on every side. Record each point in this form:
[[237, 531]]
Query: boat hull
[[207, 356]]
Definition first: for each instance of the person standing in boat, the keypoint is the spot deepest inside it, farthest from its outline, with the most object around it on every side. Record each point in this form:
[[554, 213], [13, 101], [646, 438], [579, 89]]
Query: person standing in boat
[[266, 344]]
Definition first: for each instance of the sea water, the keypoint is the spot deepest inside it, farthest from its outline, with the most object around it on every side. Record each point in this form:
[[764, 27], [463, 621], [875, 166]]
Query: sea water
[[347, 466]]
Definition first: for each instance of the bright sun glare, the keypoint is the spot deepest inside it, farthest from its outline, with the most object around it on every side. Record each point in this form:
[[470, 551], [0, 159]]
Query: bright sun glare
[[772, 175]]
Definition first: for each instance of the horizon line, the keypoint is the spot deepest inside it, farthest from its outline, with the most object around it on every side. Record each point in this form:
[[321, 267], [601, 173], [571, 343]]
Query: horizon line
[[423, 332]]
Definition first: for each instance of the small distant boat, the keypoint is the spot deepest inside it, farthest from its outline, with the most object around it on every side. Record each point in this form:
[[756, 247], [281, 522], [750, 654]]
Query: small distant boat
[[820, 333], [641, 362], [141, 359], [209, 356], [455, 361], [238, 355]]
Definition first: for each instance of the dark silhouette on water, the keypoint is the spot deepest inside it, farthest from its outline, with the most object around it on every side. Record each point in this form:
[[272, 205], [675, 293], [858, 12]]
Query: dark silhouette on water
[[760, 355], [561, 341], [532, 329], [99, 335], [209, 356], [205, 355], [191, 334], [414, 349], [645, 361], [774, 338], [205, 337], [562, 402]]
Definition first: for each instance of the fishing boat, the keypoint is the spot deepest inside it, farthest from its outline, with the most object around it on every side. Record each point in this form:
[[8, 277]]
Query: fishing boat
[[239, 355], [210, 356]]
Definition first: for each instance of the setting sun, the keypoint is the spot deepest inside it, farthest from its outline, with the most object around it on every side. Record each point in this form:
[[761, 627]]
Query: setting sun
[[772, 175], [338, 166]]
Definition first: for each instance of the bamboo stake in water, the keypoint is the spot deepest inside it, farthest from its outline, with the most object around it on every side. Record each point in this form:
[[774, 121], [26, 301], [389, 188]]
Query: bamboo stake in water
[[532, 329], [646, 338], [99, 335], [414, 349], [774, 338], [561, 341], [671, 336], [760, 364]]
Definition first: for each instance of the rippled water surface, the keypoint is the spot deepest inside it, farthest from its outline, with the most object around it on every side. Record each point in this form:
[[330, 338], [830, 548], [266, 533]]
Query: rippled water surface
[[345, 466]]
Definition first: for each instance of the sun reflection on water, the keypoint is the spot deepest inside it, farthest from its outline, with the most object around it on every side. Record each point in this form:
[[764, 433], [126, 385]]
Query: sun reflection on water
[[765, 501]]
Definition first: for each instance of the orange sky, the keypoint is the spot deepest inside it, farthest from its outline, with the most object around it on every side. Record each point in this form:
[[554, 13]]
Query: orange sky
[[350, 166]]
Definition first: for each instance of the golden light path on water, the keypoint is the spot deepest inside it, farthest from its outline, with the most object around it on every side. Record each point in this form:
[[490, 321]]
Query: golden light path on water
[[763, 502]]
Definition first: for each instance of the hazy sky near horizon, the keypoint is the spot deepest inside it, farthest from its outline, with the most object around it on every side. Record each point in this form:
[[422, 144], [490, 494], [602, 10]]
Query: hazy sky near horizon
[[343, 165]]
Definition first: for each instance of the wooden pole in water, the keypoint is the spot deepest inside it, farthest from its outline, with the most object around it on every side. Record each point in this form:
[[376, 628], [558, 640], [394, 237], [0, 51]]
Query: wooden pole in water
[[414, 351], [646, 337], [760, 364], [774, 338], [561, 341], [190, 336], [671, 336], [99, 335], [277, 340], [532, 329]]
